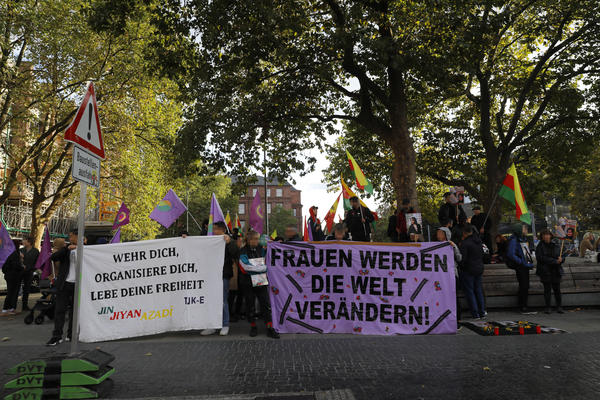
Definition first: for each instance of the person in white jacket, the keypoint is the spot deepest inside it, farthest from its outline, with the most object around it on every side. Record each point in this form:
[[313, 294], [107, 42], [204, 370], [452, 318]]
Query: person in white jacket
[[443, 234]]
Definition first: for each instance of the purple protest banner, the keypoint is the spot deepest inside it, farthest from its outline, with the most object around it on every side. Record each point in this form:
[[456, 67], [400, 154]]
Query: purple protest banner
[[373, 289]]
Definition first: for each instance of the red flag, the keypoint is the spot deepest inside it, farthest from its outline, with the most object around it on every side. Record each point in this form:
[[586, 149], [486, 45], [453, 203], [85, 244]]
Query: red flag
[[305, 236]]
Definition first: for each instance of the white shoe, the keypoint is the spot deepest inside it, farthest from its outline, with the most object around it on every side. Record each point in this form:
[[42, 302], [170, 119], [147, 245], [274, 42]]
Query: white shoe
[[208, 332], [224, 331]]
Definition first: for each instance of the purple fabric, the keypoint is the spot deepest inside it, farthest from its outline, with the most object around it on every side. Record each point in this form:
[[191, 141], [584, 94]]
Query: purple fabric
[[43, 261], [7, 247], [257, 214], [168, 209], [117, 237], [122, 217], [376, 289]]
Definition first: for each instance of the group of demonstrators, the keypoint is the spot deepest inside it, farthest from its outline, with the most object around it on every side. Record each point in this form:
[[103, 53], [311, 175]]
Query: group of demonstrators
[[18, 270]]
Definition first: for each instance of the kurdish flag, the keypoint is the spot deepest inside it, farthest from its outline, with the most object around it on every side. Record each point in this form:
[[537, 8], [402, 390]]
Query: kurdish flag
[[361, 180], [238, 224], [228, 222], [511, 191], [331, 214]]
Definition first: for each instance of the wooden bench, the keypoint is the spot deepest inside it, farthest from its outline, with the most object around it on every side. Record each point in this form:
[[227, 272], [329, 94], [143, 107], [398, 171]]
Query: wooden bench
[[580, 286]]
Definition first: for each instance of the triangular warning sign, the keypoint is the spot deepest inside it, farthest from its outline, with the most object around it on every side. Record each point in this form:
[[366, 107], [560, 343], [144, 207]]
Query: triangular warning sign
[[85, 128]]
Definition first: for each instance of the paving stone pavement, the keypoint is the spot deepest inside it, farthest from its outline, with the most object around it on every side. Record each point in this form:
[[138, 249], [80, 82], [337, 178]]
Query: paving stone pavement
[[417, 367]]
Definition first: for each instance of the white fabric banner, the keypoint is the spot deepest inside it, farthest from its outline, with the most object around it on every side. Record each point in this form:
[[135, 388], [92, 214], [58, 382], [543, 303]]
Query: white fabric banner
[[149, 287]]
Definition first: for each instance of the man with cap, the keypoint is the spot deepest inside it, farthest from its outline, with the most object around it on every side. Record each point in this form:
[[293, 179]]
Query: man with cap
[[314, 224], [483, 225]]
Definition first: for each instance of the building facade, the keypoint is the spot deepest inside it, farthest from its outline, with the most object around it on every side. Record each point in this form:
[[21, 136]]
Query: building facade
[[278, 194]]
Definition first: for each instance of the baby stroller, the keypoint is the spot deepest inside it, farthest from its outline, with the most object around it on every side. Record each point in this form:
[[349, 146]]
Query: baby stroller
[[44, 306]]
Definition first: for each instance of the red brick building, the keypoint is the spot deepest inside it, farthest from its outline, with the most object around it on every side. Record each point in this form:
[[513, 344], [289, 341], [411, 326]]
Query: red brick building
[[279, 194]]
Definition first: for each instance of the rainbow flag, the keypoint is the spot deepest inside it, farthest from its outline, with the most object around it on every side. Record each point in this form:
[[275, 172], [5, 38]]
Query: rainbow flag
[[215, 215], [361, 180], [511, 191], [331, 214]]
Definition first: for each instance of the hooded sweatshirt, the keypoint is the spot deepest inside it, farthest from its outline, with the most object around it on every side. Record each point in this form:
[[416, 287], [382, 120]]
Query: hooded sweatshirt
[[457, 255]]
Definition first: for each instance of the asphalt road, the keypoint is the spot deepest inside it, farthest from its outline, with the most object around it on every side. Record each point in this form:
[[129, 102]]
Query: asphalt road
[[463, 366]]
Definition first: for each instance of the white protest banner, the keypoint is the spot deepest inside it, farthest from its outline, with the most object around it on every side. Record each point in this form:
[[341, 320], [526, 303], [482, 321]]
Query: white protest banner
[[149, 287]]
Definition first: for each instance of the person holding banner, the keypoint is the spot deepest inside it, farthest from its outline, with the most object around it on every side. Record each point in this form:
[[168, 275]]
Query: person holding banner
[[231, 256], [251, 257], [339, 233], [65, 285], [291, 234], [358, 220], [443, 234], [549, 269]]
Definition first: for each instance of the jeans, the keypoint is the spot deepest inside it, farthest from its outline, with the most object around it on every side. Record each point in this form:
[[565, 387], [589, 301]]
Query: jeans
[[64, 303], [27, 279], [225, 302], [523, 279], [474, 292], [13, 282], [548, 287]]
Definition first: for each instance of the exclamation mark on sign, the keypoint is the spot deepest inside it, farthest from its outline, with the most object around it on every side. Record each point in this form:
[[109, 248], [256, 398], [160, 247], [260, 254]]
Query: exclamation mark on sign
[[90, 122]]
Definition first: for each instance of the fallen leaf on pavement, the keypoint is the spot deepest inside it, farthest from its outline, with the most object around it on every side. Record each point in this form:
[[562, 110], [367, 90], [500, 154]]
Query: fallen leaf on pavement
[[148, 354], [486, 369], [5, 339]]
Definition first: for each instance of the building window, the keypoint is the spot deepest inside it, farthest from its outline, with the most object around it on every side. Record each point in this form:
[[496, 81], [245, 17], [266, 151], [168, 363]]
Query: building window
[[268, 192], [254, 192], [280, 205], [294, 212], [243, 224], [279, 192], [268, 208], [241, 208]]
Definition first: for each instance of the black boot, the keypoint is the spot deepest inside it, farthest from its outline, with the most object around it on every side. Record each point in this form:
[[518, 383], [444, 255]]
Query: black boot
[[560, 310], [272, 333], [253, 331]]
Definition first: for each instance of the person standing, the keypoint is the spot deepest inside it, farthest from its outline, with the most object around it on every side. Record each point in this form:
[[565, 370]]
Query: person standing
[[358, 220], [518, 257], [549, 269], [452, 210], [443, 235], [231, 256], [339, 233], [314, 224], [401, 225], [65, 289], [471, 271], [252, 250], [291, 234], [392, 229], [29, 256], [12, 270], [483, 225]]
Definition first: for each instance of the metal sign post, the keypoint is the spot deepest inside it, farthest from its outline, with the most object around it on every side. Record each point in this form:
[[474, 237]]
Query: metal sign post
[[80, 243]]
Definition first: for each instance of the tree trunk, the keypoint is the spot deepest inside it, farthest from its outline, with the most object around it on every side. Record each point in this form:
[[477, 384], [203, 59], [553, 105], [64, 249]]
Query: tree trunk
[[404, 172]]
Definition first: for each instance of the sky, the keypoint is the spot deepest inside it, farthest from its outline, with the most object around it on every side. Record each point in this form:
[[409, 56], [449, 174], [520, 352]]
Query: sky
[[314, 190]]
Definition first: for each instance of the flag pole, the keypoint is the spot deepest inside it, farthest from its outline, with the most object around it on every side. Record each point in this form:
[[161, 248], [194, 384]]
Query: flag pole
[[194, 219], [487, 214]]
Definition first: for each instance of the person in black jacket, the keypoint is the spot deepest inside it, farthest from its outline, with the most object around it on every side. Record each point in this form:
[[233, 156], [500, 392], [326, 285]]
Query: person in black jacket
[[549, 269], [12, 270], [314, 224], [231, 256], [358, 220], [471, 271], [251, 251], [291, 234], [452, 211], [65, 289], [29, 256], [392, 229]]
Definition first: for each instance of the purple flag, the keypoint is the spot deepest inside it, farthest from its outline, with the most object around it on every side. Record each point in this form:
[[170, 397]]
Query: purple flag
[[216, 214], [369, 289], [257, 214], [7, 247], [43, 262], [168, 209], [122, 217], [117, 237]]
